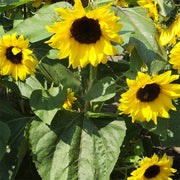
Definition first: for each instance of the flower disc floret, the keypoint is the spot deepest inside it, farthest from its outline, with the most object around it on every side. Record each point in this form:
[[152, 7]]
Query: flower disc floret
[[149, 98], [85, 37], [16, 58], [154, 169]]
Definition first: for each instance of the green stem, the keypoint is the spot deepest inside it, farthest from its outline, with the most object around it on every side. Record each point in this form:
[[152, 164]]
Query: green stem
[[92, 80], [45, 73], [93, 74], [119, 78]]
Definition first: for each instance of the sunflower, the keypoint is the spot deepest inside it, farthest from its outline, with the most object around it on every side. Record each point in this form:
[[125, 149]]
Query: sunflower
[[168, 35], [154, 169], [70, 100], [122, 3], [85, 36], [149, 97], [151, 6], [16, 58]]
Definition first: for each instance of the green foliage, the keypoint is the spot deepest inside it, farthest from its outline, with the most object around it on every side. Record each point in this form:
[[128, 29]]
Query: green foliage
[[90, 141], [46, 103], [141, 33], [75, 143], [106, 90], [14, 133]]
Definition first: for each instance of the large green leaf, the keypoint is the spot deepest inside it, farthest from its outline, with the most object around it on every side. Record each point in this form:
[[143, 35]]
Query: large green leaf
[[34, 28], [46, 103], [4, 137], [141, 32], [103, 90], [76, 147], [16, 122]]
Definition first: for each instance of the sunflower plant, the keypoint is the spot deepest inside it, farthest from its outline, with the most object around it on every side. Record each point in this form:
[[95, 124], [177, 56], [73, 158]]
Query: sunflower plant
[[88, 89]]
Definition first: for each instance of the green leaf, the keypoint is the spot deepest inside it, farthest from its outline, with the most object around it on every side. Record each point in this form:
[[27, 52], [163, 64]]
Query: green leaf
[[28, 86], [76, 147], [16, 123], [34, 28], [4, 137], [165, 7], [142, 33], [135, 60], [157, 65], [138, 147], [103, 90], [160, 129], [62, 75], [46, 103], [9, 4], [173, 138]]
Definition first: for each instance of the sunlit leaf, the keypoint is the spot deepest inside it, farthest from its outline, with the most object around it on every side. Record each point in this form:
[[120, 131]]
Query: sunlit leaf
[[103, 90], [46, 103], [76, 147]]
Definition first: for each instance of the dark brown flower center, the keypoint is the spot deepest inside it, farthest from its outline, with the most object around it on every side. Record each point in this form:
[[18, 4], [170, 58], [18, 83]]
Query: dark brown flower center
[[148, 93], [16, 59], [152, 171], [86, 30]]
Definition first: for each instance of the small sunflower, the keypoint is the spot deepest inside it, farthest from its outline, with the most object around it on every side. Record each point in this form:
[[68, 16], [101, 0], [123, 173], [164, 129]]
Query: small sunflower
[[151, 6], [122, 3], [169, 35], [16, 58], [85, 36], [154, 169], [148, 98], [70, 100]]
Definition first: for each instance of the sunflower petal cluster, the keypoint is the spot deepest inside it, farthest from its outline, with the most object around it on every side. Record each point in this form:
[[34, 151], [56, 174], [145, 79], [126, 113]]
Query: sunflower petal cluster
[[169, 35], [16, 58], [154, 169], [85, 37], [174, 57], [149, 97], [70, 100], [151, 6]]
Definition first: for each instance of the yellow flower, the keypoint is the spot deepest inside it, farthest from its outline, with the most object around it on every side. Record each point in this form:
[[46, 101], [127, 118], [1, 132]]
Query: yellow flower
[[16, 58], [154, 169], [169, 35], [70, 100], [85, 36], [151, 6], [122, 3], [149, 97], [174, 57]]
